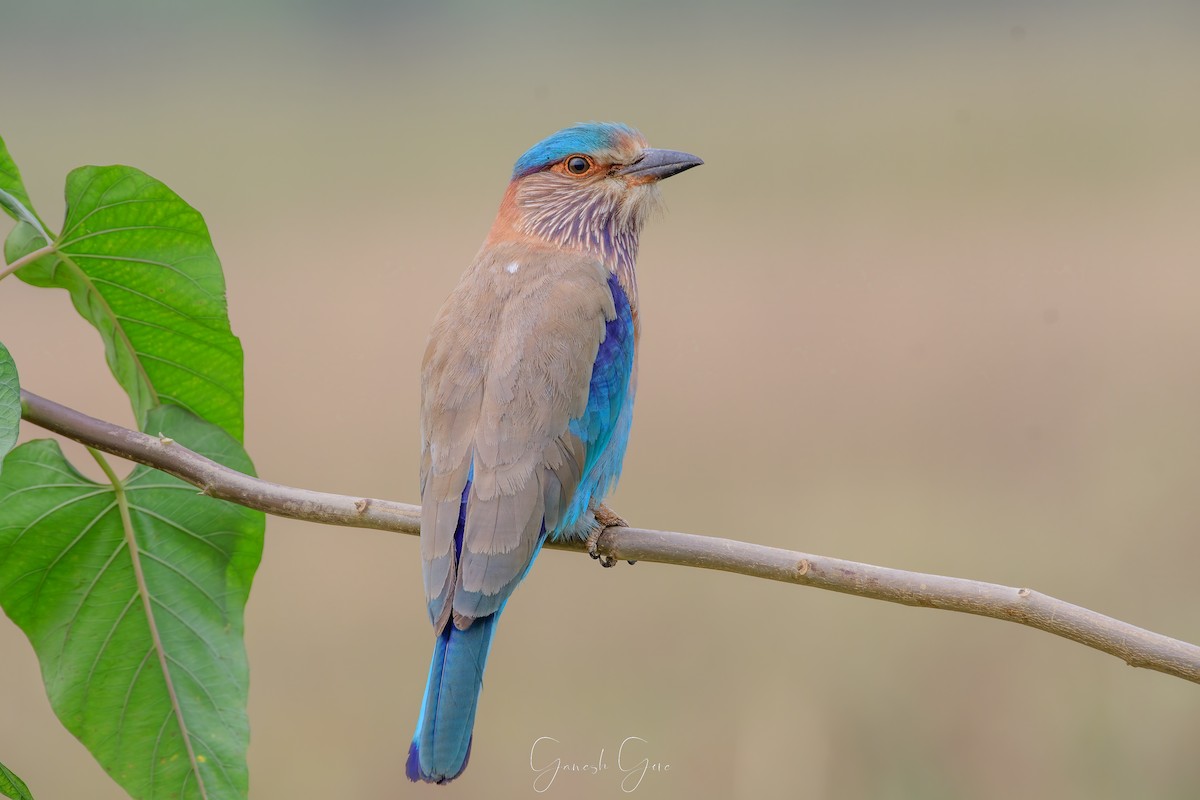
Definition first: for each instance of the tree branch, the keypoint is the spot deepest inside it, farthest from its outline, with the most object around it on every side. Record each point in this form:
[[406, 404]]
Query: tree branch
[[1136, 646]]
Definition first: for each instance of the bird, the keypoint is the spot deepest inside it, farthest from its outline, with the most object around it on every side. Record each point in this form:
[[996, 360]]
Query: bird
[[527, 391]]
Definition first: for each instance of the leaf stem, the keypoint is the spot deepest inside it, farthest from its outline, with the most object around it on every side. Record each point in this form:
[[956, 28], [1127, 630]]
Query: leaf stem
[[27, 259], [21, 213], [148, 606]]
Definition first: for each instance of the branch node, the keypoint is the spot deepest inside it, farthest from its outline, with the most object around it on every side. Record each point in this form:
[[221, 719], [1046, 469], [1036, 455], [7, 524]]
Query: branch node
[[802, 567], [165, 439], [1023, 593], [361, 505]]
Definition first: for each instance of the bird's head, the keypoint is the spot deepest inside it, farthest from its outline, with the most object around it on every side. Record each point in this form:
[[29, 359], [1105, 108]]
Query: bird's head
[[590, 186]]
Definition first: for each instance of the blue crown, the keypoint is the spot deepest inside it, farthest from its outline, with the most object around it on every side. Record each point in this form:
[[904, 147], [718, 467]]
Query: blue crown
[[586, 137]]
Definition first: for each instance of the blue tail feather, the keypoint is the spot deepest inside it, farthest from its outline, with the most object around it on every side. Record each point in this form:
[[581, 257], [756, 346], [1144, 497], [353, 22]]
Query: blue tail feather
[[441, 745], [442, 742]]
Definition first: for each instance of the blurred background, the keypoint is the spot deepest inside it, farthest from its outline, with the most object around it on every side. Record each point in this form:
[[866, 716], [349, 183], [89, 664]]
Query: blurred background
[[931, 303]]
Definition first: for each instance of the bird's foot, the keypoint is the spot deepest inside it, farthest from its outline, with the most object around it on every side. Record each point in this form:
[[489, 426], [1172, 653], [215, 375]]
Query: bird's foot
[[605, 518], [593, 539]]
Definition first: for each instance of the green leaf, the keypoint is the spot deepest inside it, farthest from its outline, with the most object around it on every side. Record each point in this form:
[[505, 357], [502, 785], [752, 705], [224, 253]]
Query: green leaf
[[140, 266], [10, 402], [132, 594], [12, 786], [13, 197]]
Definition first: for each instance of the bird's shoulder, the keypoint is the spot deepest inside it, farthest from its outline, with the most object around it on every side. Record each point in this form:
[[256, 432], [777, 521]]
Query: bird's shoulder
[[517, 277], [516, 298]]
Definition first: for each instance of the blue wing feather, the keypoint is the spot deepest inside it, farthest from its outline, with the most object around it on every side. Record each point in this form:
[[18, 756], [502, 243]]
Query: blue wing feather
[[604, 426]]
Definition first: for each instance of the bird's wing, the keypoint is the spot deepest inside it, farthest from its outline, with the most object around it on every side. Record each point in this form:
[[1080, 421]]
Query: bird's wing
[[604, 426], [511, 420]]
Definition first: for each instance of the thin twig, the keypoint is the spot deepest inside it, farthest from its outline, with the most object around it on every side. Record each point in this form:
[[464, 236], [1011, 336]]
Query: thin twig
[[26, 260], [1135, 646], [216, 480]]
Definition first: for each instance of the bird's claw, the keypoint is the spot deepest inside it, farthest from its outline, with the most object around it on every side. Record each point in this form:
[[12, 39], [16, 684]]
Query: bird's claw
[[605, 518], [593, 539]]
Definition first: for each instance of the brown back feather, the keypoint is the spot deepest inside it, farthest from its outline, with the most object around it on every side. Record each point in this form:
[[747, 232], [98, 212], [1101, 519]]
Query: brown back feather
[[507, 367]]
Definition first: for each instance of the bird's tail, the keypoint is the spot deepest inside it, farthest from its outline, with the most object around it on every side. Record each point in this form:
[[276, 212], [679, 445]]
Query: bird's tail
[[442, 743]]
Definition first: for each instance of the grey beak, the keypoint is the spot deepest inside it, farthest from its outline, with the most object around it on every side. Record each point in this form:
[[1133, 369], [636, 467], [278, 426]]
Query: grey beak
[[654, 165]]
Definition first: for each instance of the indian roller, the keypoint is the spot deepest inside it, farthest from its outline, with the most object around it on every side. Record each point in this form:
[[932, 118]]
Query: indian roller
[[527, 389]]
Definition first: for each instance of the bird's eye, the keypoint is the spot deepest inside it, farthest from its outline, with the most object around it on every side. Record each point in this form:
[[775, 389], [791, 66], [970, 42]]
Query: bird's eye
[[577, 165]]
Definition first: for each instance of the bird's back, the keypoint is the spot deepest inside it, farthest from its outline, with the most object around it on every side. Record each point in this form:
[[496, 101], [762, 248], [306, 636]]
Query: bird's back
[[508, 368]]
